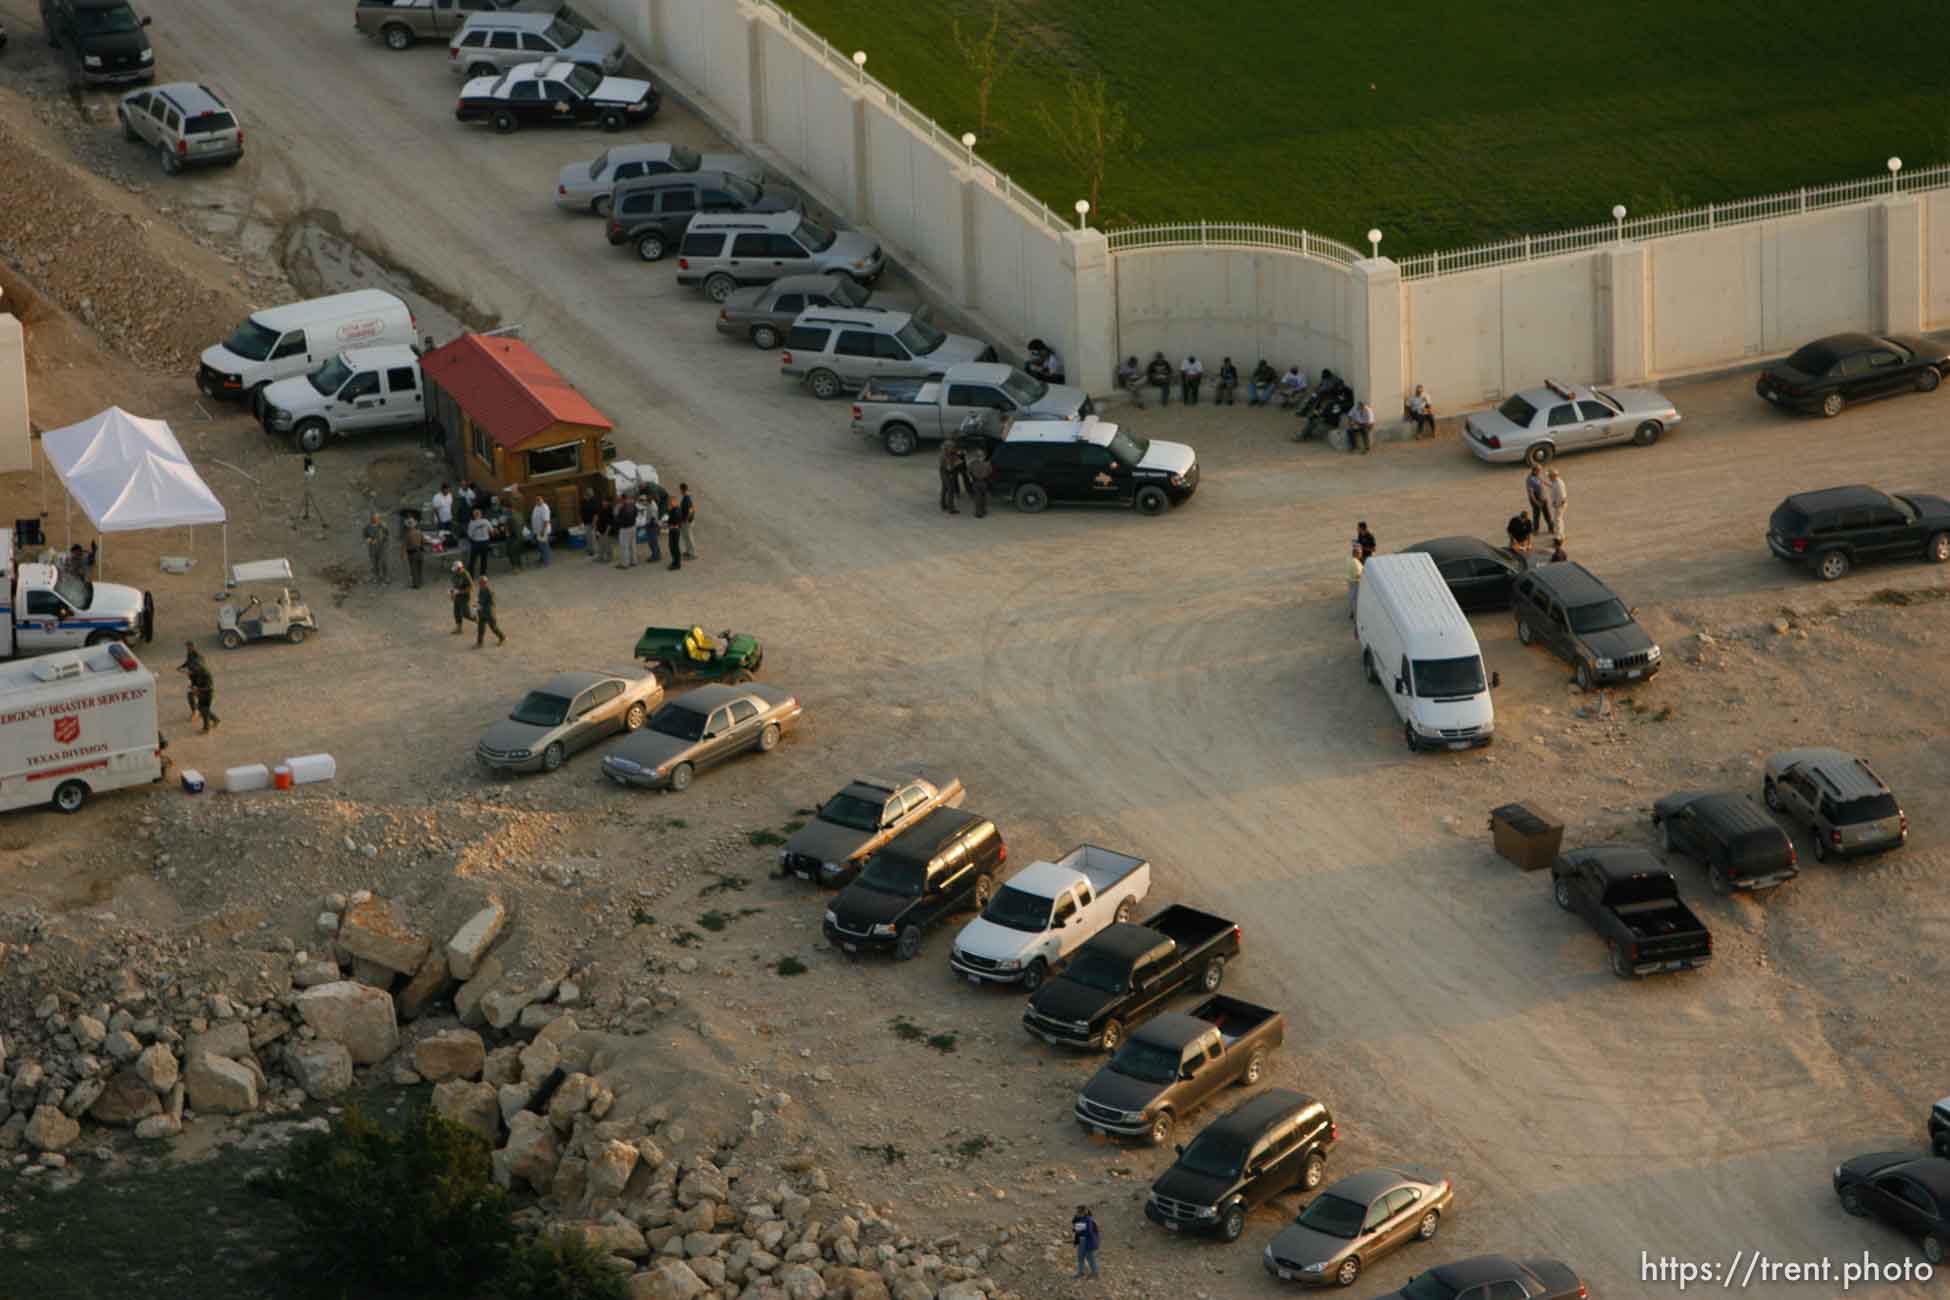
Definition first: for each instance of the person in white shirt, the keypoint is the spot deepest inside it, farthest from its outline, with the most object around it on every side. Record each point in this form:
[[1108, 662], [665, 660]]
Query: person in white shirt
[[541, 522], [480, 536], [1292, 384], [1190, 376], [1559, 493], [1421, 409], [1354, 568], [1130, 378], [443, 507], [1360, 428]]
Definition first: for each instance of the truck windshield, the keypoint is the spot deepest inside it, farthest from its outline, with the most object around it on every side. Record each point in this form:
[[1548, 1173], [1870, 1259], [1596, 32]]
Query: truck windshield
[[540, 709], [1018, 910], [813, 236], [1427, 1286], [1022, 390], [1128, 448], [892, 875], [331, 376], [78, 592], [1215, 1156], [1440, 678], [1335, 1216], [1147, 1061], [919, 337], [252, 341], [1098, 970], [105, 20], [1601, 616], [852, 812]]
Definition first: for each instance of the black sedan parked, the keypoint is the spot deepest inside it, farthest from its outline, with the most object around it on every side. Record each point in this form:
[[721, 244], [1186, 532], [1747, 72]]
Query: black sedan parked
[[555, 91], [1830, 373], [1479, 575], [1487, 1276], [1907, 1191]]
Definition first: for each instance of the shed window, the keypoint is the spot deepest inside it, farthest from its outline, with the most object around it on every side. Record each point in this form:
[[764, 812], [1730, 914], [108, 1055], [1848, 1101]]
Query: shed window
[[483, 446], [564, 458]]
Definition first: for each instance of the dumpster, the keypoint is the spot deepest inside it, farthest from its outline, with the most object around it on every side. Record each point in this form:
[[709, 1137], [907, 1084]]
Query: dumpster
[[1529, 837]]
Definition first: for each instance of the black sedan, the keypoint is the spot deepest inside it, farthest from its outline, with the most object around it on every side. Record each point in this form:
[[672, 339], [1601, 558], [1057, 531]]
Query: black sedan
[[555, 91], [1492, 1276], [1908, 1191], [1479, 575], [1830, 373]]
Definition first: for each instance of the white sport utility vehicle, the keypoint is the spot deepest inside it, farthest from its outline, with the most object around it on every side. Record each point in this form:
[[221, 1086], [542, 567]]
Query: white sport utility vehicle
[[357, 391], [185, 123]]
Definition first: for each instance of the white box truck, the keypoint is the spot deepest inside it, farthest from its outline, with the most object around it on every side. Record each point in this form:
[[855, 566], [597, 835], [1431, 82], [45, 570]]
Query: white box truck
[[75, 724], [43, 608], [1417, 646]]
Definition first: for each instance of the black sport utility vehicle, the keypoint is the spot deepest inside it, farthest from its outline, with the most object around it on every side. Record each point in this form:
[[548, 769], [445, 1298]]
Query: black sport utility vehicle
[[653, 212], [1091, 461], [103, 39], [1266, 1145], [943, 864], [1837, 528], [1565, 608]]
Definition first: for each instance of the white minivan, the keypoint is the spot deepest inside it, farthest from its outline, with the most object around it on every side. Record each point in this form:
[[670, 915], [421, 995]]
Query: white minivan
[[1417, 646], [279, 342]]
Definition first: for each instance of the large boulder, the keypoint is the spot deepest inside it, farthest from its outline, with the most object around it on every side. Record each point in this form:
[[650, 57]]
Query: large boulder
[[617, 1236], [531, 1150], [50, 1130], [610, 1167], [356, 1015], [231, 1038], [322, 1067], [220, 1085], [450, 1054], [503, 1006], [670, 1279], [157, 1067], [802, 1283], [704, 1183], [126, 1101], [470, 1105], [471, 942], [467, 998], [376, 929], [429, 984]]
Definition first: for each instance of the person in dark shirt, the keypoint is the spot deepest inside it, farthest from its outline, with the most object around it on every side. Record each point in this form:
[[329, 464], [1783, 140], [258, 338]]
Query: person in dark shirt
[[1083, 1232]]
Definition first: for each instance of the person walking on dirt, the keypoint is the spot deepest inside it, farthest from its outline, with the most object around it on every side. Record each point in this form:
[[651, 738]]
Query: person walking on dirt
[[686, 517], [1537, 492], [586, 511], [310, 473], [461, 589], [952, 462], [979, 474], [602, 531], [625, 527], [203, 693], [1083, 1232], [1365, 540], [676, 538], [1558, 493], [541, 522], [480, 536], [443, 509], [191, 661], [377, 536], [484, 620], [1354, 567], [413, 544]]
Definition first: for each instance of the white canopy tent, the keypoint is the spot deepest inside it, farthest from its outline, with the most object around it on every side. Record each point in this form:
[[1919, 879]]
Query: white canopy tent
[[131, 474]]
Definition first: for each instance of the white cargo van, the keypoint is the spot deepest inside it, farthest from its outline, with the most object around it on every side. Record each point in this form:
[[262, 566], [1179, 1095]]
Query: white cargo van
[[1416, 644], [280, 342], [75, 724]]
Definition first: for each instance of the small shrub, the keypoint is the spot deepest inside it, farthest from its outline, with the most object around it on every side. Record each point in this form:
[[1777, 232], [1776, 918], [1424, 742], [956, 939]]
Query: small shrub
[[792, 828], [791, 966], [906, 1030], [559, 1268], [685, 938], [887, 1151], [640, 917], [943, 1042], [714, 921], [765, 839], [805, 812], [726, 883], [969, 1148]]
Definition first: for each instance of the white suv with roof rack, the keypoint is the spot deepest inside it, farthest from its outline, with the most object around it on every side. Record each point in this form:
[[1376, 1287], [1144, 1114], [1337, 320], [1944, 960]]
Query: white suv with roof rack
[[184, 122]]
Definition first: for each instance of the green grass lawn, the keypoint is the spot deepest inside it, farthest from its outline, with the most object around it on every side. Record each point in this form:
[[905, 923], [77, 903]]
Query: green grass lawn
[[1486, 119]]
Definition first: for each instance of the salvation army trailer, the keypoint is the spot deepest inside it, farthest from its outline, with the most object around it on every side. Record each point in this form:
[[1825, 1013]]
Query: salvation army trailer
[[76, 723]]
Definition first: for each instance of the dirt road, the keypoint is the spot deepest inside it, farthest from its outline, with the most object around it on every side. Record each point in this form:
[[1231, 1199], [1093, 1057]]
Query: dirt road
[[1187, 687]]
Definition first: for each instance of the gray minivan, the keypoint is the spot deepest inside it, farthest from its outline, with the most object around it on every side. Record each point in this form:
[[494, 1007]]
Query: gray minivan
[[836, 349], [721, 252]]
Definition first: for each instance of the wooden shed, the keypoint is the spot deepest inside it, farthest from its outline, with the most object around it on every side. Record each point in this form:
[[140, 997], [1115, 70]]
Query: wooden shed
[[507, 419]]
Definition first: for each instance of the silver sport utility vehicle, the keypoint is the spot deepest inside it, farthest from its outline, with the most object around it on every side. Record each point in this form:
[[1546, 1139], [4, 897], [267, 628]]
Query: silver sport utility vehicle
[[185, 123], [837, 349], [724, 250], [1838, 797]]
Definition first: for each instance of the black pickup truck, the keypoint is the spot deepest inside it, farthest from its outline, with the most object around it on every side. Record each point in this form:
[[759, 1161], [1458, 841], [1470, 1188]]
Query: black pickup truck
[[1170, 1067], [1633, 903], [1124, 976]]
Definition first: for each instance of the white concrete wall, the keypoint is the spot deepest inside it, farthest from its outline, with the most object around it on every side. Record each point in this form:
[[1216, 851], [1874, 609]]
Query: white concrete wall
[[1237, 302], [16, 437], [1935, 288], [1475, 336]]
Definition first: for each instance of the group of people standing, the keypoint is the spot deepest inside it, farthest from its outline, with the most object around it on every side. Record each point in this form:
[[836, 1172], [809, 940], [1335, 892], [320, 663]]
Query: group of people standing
[[612, 526], [965, 469], [1546, 499]]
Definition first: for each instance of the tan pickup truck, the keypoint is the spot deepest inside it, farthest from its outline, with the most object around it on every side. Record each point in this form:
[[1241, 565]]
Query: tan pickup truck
[[864, 815], [402, 22]]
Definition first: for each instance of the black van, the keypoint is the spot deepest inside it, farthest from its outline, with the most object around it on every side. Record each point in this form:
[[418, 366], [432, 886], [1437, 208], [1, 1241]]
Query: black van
[[1268, 1144], [103, 40], [943, 864], [1740, 846]]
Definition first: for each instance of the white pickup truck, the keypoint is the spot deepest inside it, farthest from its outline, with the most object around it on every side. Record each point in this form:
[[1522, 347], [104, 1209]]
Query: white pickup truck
[[43, 608], [357, 391], [1047, 911]]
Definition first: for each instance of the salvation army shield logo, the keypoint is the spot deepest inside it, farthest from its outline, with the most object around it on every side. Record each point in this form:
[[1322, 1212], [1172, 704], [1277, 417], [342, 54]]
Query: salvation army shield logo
[[67, 729]]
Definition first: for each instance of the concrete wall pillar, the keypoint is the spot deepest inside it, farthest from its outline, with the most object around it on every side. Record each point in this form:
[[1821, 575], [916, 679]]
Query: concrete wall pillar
[[1899, 240], [1374, 334], [16, 438], [1092, 361], [653, 30], [859, 106], [1624, 345], [745, 82]]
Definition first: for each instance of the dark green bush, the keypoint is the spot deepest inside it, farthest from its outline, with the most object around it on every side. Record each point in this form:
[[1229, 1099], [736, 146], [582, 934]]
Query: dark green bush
[[559, 1269]]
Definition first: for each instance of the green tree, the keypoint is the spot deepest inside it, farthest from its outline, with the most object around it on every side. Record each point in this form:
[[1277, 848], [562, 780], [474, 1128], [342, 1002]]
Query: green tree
[[988, 54], [1093, 134]]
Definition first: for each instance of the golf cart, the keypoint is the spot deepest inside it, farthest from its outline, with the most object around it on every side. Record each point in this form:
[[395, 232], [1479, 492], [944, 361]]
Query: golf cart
[[674, 652], [283, 615]]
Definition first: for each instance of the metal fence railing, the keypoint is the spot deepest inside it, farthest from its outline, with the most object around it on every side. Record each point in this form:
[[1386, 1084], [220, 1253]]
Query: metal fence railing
[[1525, 248], [842, 66]]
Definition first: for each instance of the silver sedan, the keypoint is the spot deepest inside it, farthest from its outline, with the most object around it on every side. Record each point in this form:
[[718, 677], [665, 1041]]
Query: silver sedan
[[568, 712], [1538, 423], [585, 186]]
